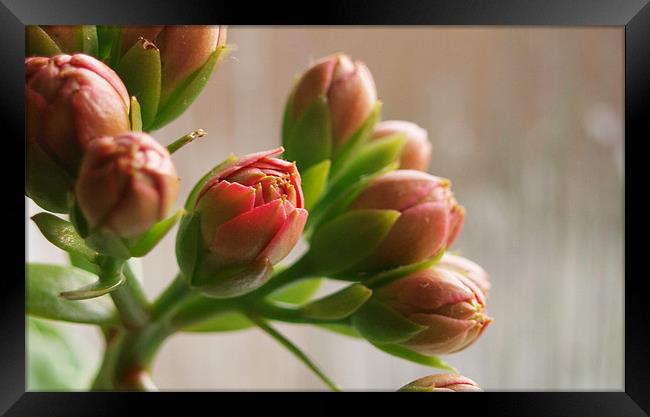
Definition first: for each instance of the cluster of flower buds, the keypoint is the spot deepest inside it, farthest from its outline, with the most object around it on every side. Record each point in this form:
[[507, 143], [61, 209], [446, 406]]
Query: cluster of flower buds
[[442, 383], [164, 67], [246, 218], [417, 148]]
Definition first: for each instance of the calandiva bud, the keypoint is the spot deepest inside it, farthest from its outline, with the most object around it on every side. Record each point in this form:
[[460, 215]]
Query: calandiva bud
[[442, 383], [416, 153]]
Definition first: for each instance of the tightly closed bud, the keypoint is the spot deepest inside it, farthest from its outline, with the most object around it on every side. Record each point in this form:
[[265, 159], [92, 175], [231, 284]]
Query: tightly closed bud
[[417, 148], [469, 269], [430, 216], [183, 49], [447, 304], [251, 215], [126, 184], [442, 383], [70, 101]]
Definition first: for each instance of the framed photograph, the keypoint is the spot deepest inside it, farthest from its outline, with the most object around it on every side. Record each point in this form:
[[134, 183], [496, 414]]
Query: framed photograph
[[370, 198]]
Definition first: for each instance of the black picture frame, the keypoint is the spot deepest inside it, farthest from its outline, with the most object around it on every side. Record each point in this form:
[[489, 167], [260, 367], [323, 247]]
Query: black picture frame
[[634, 15]]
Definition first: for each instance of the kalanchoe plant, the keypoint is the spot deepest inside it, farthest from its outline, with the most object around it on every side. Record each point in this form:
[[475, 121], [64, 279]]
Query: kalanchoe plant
[[384, 231]]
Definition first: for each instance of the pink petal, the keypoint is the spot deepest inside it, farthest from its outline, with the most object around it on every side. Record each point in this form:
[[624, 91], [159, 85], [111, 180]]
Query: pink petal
[[246, 161], [287, 237]]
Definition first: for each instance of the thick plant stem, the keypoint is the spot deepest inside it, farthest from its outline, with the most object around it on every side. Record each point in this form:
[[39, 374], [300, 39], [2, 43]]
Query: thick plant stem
[[129, 298]]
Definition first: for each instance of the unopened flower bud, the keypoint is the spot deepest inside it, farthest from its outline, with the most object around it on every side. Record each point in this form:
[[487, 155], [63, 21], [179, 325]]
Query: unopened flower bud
[[251, 215], [416, 153], [71, 100], [442, 383], [126, 184], [469, 269], [448, 305], [430, 216]]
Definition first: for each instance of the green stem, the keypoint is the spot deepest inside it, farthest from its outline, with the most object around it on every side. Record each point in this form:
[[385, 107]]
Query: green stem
[[293, 349], [179, 143], [129, 298], [170, 300]]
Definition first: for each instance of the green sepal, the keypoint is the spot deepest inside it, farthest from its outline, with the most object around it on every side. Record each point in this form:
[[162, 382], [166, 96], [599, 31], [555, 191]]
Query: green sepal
[[45, 283], [145, 243], [386, 277], [106, 242], [409, 355], [135, 117], [340, 328], [194, 194], [314, 182], [371, 158], [39, 43], [298, 292], [63, 235], [88, 40], [351, 147], [348, 239], [82, 262], [107, 37], [188, 244], [308, 140], [228, 321], [233, 281], [47, 183], [140, 71], [379, 323], [187, 91], [339, 305]]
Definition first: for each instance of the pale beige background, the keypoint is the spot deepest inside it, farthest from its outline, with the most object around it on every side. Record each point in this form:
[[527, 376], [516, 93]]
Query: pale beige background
[[528, 124]]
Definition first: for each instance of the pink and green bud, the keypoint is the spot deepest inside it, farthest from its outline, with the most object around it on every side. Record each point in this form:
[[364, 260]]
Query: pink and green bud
[[416, 153], [248, 216], [70, 101], [467, 268], [126, 184], [330, 103], [448, 306], [442, 383]]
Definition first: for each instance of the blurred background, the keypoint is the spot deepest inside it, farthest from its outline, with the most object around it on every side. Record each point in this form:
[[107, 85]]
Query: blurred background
[[528, 125]]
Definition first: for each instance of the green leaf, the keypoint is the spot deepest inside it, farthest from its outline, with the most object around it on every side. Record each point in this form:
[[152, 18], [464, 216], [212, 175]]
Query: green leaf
[[409, 355], [45, 283], [191, 198], [371, 158], [225, 322], [89, 42], [107, 36], [342, 329], [82, 262], [63, 235], [139, 69], [151, 238], [338, 305], [345, 241], [314, 182], [58, 359], [100, 287], [135, 116], [308, 140], [187, 91], [47, 183], [351, 147], [108, 243], [39, 42], [297, 293], [381, 324]]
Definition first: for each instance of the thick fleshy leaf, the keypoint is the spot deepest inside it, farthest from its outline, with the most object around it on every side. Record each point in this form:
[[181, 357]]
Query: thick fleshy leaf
[[308, 140], [154, 235], [351, 148], [39, 43], [371, 158], [226, 322], [314, 182], [46, 282], [135, 116], [343, 242], [140, 71], [339, 305], [188, 244], [343, 329], [58, 357], [107, 36], [47, 184], [98, 288], [409, 355], [297, 293], [63, 235], [187, 91], [89, 42], [380, 324]]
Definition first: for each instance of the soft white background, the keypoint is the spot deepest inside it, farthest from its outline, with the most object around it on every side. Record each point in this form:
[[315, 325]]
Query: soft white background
[[526, 122]]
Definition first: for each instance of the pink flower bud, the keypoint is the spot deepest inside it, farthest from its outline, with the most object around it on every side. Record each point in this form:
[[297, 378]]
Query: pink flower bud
[[417, 148], [469, 269], [70, 100], [430, 216], [447, 303], [183, 49], [126, 183], [349, 89], [251, 209], [443, 383]]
